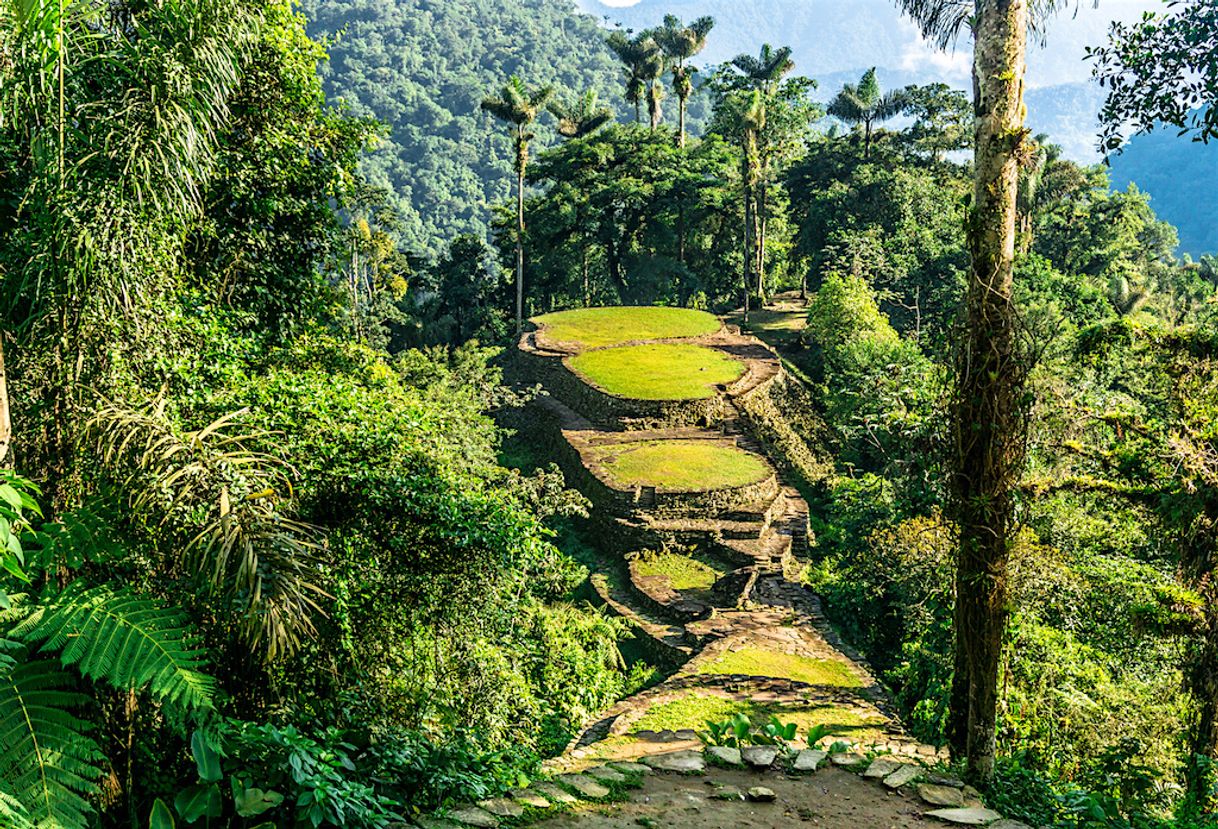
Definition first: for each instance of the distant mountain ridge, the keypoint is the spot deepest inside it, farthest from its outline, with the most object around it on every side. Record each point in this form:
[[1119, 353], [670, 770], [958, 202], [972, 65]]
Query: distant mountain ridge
[[835, 41]]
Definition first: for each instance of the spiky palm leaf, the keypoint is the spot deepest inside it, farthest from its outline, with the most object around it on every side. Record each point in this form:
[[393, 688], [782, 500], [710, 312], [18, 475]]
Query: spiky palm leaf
[[582, 118], [114, 635], [944, 21], [48, 763], [241, 549], [770, 66]]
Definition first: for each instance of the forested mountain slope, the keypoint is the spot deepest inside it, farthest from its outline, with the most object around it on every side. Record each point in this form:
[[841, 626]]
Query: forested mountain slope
[[423, 66], [1182, 178]]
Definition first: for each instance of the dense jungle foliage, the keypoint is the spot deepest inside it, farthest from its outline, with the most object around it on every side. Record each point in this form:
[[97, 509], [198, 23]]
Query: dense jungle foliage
[[264, 559]]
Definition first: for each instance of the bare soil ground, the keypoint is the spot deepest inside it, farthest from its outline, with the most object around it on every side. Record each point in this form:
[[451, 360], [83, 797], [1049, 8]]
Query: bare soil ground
[[830, 799]]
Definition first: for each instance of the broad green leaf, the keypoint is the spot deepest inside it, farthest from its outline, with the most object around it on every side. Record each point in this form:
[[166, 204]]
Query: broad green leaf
[[200, 800], [161, 817], [207, 761]]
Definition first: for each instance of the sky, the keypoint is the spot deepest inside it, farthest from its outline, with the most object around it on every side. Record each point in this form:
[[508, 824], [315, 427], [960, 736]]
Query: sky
[[1061, 62]]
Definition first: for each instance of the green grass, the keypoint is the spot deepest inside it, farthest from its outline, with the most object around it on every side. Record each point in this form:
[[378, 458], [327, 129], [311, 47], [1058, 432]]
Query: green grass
[[776, 327], [758, 662], [597, 327], [681, 465], [660, 371], [683, 572], [693, 710]]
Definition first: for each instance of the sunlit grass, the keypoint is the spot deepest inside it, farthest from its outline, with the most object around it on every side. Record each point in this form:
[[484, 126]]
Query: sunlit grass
[[658, 371], [681, 465], [683, 572], [694, 710], [753, 661], [598, 327]]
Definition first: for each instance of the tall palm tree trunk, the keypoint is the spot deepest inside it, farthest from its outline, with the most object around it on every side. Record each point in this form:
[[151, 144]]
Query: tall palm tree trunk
[[6, 422], [681, 121], [987, 420], [520, 242]]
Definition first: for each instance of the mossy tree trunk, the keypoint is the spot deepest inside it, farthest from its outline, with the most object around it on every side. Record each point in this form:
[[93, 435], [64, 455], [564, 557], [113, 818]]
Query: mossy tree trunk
[[988, 406]]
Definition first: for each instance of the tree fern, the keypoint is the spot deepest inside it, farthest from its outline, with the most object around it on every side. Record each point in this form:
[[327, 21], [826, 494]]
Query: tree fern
[[124, 639], [48, 763], [12, 814]]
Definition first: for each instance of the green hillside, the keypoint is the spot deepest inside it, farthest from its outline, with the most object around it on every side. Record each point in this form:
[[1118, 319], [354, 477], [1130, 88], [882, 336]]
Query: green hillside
[[423, 66]]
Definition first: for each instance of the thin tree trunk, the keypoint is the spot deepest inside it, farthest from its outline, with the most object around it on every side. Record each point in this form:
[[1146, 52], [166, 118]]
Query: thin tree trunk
[[6, 422], [587, 281], [867, 140], [987, 418], [681, 120], [520, 165]]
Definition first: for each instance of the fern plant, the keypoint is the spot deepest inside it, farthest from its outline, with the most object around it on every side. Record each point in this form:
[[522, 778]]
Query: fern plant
[[49, 764], [114, 635]]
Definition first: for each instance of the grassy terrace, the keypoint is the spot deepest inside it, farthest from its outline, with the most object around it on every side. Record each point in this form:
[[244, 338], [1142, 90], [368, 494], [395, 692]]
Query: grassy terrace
[[758, 662], [658, 371], [683, 572], [694, 710], [681, 465], [599, 327]]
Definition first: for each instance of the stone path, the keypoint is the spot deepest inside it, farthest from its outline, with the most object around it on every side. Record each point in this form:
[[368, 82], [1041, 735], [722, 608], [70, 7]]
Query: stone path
[[755, 641]]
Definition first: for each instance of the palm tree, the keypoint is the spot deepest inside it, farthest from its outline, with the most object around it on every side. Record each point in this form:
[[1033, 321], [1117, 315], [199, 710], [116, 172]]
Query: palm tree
[[987, 411], [582, 118], [749, 112], [763, 74], [767, 69], [518, 107], [644, 61], [1031, 196], [865, 104], [681, 43]]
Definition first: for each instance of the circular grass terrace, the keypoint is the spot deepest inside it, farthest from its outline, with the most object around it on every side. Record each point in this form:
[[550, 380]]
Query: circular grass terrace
[[659, 371], [600, 327], [680, 465]]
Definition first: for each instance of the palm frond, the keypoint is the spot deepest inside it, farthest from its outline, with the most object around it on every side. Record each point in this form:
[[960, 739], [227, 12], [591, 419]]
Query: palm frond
[[112, 634], [48, 763], [225, 499]]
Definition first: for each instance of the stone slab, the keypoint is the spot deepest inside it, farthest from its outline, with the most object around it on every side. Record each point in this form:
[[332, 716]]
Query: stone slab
[[724, 755], [553, 793], [502, 807], [684, 762], [966, 817], [848, 759], [760, 794], [473, 816], [759, 757], [881, 768], [585, 786], [629, 768], [1007, 823], [529, 797], [604, 774], [903, 777], [941, 795], [809, 760]]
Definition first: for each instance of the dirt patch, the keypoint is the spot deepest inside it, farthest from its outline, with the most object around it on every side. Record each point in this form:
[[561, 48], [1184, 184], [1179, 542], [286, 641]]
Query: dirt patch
[[830, 799]]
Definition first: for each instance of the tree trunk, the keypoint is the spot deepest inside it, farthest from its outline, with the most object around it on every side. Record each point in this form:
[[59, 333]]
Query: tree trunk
[[681, 121], [6, 422], [520, 166], [749, 259], [587, 281], [987, 410], [762, 212], [867, 139]]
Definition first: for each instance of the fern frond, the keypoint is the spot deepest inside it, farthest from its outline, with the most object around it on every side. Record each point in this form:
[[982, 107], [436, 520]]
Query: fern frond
[[124, 639], [12, 814], [48, 763]]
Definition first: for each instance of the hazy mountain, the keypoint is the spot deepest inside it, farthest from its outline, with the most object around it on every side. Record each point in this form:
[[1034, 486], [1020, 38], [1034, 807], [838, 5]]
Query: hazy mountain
[[836, 40], [1182, 179]]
